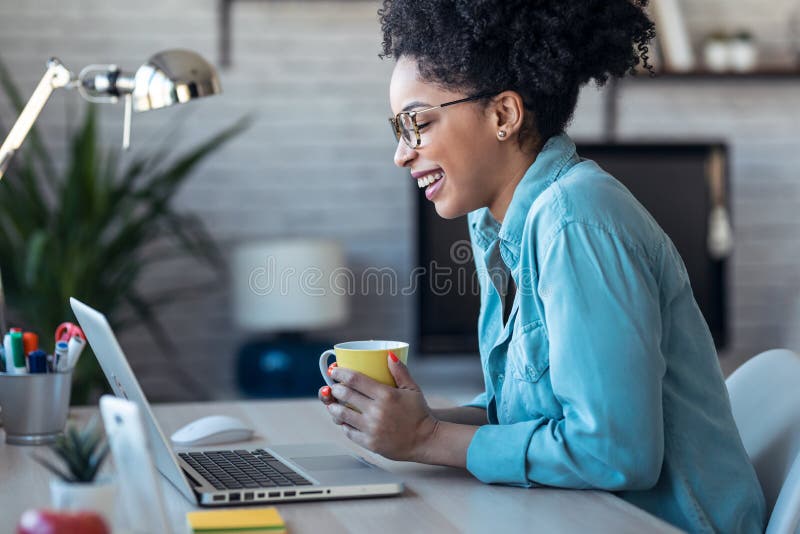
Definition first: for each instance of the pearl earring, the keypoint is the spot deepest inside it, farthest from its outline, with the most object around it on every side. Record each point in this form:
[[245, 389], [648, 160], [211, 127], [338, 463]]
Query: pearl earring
[[501, 134]]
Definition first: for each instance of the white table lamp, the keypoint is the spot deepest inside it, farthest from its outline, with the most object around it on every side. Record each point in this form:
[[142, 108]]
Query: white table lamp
[[282, 290], [288, 286]]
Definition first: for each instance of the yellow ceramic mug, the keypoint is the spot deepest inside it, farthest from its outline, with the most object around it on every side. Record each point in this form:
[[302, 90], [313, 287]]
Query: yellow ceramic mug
[[367, 357]]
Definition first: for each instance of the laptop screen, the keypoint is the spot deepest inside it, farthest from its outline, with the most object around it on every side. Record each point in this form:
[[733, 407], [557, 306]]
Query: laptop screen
[[124, 384]]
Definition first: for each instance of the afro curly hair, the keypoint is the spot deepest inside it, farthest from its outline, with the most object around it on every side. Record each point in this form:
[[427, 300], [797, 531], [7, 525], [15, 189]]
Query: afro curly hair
[[545, 50]]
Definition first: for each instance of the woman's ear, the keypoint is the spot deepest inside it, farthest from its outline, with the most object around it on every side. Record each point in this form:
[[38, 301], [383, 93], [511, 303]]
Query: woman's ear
[[508, 114]]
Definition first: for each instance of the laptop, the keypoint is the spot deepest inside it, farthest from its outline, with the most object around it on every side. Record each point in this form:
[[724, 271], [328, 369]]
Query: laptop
[[257, 474]]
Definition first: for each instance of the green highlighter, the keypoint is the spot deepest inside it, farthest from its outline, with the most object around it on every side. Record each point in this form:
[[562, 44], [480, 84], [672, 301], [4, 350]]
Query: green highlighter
[[17, 350]]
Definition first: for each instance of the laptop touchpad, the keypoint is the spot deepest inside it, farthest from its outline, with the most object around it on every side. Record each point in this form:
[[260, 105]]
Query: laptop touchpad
[[329, 463]]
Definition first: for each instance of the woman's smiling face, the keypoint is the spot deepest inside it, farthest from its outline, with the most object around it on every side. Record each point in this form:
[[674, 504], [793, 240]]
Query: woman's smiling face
[[459, 143]]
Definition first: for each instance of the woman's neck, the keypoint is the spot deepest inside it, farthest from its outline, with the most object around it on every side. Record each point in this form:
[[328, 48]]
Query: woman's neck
[[510, 177]]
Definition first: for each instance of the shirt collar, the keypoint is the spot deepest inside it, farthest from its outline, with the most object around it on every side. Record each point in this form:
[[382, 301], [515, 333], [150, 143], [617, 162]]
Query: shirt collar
[[557, 155]]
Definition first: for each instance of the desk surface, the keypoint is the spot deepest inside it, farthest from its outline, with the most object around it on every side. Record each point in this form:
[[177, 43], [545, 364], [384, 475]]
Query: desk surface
[[436, 499]]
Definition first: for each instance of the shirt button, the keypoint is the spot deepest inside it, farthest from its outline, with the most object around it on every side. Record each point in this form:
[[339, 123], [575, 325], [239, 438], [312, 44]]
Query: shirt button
[[500, 377]]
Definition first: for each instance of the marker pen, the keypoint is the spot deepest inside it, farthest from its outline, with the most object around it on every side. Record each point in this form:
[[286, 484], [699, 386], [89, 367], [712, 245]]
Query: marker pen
[[74, 349], [8, 354], [61, 357], [37, 360], [30, 342], [18, 352]]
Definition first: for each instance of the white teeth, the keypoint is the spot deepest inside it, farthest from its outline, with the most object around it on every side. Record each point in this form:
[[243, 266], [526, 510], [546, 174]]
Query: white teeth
[[425, 181]]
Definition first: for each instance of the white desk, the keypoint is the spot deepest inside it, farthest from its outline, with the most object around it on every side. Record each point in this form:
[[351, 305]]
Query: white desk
[[436, 499]]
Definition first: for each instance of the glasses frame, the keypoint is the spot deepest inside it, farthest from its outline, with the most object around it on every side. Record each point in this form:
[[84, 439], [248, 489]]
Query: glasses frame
[[395, 121]]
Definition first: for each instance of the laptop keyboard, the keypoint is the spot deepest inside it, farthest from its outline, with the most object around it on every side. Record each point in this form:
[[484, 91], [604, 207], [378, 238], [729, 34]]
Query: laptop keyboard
[[243, 469]]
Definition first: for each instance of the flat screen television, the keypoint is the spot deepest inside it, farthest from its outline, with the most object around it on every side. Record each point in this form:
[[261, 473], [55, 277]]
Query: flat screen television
[[670, 179]]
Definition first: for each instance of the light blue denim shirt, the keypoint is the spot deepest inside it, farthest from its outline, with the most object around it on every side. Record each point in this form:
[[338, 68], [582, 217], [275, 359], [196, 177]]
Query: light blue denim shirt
[[605, 375]]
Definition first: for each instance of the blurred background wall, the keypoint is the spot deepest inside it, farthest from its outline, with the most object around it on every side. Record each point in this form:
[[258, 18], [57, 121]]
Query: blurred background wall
[[318, 160]]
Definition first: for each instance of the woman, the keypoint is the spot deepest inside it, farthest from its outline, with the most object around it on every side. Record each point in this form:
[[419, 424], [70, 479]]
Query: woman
[[600, 371]]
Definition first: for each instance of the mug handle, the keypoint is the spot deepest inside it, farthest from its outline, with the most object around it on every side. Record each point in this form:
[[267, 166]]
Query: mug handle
[[323, 366]]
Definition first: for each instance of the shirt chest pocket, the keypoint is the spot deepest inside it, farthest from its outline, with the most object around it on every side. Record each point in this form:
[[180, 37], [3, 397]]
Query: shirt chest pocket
[[526, 390]]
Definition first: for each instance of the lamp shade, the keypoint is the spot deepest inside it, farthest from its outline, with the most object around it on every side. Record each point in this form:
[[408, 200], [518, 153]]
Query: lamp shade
[[173, 77], [286, 285]]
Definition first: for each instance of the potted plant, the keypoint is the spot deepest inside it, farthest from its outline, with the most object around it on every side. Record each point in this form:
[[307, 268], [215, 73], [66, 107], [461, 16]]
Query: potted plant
[[715, 52], [76, 485], [743, 52], [92, 227]]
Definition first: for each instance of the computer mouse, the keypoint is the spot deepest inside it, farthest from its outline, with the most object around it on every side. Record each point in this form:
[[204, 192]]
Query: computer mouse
[[212, 430]]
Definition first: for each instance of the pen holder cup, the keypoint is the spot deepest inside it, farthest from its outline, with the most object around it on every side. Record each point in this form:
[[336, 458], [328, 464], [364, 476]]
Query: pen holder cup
[[34, 406]]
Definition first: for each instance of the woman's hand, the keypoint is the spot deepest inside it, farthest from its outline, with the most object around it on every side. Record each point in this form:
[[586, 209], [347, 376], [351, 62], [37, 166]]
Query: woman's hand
[[394, 422]]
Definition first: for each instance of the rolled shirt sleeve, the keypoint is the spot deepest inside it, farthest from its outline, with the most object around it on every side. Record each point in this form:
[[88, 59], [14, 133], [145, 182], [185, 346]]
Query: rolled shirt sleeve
[[603, 321]]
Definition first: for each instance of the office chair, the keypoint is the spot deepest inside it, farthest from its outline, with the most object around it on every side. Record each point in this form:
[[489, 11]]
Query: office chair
[[765, 398]]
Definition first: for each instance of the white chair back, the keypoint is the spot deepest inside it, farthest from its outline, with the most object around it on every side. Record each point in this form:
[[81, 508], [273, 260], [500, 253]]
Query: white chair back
[[765, 398]]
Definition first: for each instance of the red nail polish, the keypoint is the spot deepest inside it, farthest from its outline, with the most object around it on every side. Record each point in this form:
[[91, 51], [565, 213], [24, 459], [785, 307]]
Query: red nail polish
[[326, 391], [393, 357]]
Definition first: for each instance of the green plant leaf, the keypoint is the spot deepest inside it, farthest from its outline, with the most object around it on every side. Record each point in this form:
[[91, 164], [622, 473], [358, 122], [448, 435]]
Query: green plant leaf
[[163, 341], [37, 244], [92, 433], [191, 233], [89, 443], [71, 458], [53, 468], [164, 184], [81, 452], [96, 462]]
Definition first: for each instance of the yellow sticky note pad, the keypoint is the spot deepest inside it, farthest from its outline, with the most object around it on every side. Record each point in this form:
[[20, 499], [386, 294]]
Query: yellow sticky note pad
[[241, 520]]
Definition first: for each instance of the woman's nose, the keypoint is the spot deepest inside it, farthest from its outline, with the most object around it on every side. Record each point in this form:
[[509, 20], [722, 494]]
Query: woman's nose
[[403, 155]]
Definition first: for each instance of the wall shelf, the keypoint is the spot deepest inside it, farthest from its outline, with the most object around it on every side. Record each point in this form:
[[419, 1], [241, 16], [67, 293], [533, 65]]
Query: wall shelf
[[776, 73], [760, 75]]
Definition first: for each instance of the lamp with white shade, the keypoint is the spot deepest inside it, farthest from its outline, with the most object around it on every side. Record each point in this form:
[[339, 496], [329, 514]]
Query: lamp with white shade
[[282, 290]]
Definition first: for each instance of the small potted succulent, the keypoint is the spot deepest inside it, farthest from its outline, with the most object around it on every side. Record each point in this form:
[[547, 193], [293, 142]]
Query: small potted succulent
[[76, 485]]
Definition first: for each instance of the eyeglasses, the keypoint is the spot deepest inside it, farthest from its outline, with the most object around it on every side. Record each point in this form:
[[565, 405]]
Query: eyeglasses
[[405, 127]]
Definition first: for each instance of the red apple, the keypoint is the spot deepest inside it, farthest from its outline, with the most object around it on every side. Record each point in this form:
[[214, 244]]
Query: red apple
[[61, 522]]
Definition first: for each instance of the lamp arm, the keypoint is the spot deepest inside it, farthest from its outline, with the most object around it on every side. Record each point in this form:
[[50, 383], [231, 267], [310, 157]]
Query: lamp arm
[[56, 76]]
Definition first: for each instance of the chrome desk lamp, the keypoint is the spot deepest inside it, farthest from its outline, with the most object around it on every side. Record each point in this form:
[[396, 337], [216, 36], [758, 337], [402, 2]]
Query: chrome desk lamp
[[169, 77]]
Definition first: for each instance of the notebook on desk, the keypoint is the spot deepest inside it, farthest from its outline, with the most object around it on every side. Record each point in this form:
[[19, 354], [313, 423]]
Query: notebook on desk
[[250, 521], [258, 474]]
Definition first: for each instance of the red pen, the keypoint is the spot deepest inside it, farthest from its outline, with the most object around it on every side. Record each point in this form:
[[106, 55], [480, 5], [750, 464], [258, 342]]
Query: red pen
[[30, 341]]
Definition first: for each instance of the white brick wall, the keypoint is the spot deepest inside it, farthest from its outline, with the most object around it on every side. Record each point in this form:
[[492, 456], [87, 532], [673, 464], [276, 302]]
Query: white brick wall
[[317, 161]]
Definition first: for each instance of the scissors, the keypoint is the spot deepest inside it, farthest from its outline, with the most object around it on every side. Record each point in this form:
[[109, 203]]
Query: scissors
[[66, 331]]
